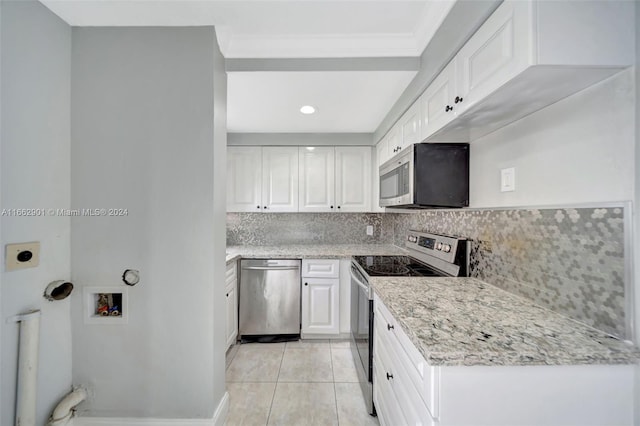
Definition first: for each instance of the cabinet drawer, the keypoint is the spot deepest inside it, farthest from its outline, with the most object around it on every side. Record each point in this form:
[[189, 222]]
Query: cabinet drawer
[[421, 375], [413, 408], [387, 406], [320, 268]]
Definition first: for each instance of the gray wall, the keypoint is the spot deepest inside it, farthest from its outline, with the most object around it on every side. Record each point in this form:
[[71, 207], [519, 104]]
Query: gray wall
[[636, 221], [143, 139], [556, 151], [35, 85], [219, 180]]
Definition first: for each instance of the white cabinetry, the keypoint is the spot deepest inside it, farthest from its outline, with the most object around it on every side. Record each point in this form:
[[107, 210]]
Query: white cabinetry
[[408, 390], [280, 178], [394, 143], [382, 151], [335, 179], [437, 102], [262, 179], [231, 294], [320, 297], [353, 179], [497, 52], [317, 179], [410, 126], [244, 179], [306, 179], [527, 55]]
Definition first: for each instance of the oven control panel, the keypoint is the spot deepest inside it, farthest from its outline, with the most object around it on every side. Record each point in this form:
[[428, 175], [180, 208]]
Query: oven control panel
[[439, 246]]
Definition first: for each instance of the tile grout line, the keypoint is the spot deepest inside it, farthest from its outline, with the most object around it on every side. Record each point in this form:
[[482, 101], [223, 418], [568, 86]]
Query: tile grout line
[[335, 396], [275, 388]]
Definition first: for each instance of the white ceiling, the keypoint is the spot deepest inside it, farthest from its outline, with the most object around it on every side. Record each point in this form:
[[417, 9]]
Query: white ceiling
[[347, 101]]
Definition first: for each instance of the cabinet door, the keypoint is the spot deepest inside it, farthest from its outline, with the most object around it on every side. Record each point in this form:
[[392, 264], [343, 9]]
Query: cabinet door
[[353, 179], [394, 140], [232, 316], [498, 51], [317, 179], [320, 306], [244, 177], [437, 103], [410, 124], [382, 150], [280, 179]]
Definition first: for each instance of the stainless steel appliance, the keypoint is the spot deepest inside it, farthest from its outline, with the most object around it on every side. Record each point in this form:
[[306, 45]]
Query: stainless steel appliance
[[426, 175], [269, 298], [430, 255]]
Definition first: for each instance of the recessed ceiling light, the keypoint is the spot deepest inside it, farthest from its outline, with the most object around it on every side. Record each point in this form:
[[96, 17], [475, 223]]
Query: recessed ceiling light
[[307, 109]]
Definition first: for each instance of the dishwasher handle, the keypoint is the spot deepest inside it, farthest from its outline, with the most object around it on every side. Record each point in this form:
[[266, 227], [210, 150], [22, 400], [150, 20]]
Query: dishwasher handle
[[271, 268]]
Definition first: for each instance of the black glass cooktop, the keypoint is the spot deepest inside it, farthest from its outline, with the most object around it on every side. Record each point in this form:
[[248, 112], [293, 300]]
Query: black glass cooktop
[[395, 266]]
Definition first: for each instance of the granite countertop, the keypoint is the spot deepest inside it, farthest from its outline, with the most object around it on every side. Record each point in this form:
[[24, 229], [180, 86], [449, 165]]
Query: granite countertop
[[464, 321], [312, 251]]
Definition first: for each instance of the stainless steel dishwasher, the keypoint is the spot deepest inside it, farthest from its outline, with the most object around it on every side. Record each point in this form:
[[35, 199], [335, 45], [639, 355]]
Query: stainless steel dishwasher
[[269, 298]]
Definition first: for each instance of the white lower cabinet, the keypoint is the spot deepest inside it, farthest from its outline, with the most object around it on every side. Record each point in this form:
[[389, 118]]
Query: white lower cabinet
[[320, 312], [231, 294], [409, 391]]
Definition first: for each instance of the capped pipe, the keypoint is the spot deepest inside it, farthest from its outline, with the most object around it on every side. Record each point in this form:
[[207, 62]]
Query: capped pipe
[[27, 367], [64, 410]]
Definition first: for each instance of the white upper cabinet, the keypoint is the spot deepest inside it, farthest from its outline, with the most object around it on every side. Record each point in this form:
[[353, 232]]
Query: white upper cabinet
[[280, 178], [353, 179], [498, 51], [317, 179], [526, 56], [382, 151], [335, 179], [394, 141], [437, 103], [410, 126], [262, 179], [244, 178]]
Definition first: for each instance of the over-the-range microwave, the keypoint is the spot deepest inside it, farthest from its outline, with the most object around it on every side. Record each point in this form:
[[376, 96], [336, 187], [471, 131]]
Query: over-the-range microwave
[[426, 175]]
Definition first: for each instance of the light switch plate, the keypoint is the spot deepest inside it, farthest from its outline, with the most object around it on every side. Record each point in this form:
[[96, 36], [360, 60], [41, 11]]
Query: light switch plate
[[22, 256], [369, 229], [508, 179]]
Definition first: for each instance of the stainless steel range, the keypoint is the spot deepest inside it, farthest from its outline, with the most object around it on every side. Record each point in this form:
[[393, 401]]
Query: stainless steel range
[[430, 255]]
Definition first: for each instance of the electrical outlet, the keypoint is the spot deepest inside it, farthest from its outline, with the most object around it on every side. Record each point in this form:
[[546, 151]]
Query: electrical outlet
[[369, 229], [22, 256]]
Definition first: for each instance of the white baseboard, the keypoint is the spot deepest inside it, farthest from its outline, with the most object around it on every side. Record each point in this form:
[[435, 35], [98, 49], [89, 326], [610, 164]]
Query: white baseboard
[[222, 410], [219, 417]]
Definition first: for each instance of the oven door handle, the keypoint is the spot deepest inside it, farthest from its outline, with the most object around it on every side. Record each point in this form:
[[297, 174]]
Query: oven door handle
[[360, 284]]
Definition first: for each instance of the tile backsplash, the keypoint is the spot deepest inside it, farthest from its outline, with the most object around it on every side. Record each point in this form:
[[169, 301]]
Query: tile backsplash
[[266, 229], [568, 260]]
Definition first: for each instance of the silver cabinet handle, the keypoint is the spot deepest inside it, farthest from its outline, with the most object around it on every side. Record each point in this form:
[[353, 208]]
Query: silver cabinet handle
[[270, 268]]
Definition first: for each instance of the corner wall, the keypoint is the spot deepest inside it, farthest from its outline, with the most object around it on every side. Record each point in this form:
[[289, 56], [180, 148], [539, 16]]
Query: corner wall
[[147, 137], [35, 133], [636, 221], [578, 150]]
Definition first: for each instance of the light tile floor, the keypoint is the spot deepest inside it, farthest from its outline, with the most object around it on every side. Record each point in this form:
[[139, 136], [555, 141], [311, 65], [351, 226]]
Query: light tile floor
[[307, 382]]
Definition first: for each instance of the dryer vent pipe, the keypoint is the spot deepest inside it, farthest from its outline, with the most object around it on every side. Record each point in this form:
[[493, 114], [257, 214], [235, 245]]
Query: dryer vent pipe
[[64, 410]]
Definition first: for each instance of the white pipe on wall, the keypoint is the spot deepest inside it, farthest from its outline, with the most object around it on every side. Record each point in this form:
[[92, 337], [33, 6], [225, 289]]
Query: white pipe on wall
[[27, 367], [64, 410]]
